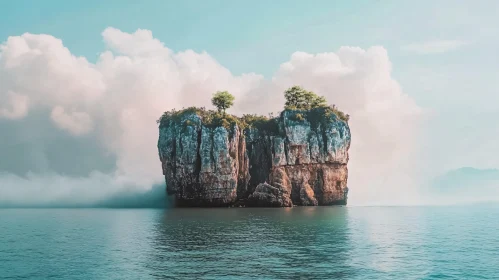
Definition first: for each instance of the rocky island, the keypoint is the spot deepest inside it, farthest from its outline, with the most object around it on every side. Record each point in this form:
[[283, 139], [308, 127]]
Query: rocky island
[[213, 159]]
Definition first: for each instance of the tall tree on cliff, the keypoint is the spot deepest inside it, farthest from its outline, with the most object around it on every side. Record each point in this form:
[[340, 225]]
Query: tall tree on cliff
[[298, 98], [222, 100]]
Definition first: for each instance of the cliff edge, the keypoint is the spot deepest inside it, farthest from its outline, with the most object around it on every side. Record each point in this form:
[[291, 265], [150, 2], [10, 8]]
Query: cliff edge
[[298, 158]]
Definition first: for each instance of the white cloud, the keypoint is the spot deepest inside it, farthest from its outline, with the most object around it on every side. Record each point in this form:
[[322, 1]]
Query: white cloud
[[432, 47], [117, 100], [141, 42], [14, 106], [77, 123]]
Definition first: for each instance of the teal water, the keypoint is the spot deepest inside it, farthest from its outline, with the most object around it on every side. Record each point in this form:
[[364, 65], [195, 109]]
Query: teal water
[[297, 243]]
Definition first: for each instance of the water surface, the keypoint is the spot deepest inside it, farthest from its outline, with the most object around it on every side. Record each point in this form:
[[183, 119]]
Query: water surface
[[244, 243]]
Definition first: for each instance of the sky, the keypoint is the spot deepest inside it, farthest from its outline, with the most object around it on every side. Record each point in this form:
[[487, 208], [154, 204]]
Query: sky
[[81, 83]]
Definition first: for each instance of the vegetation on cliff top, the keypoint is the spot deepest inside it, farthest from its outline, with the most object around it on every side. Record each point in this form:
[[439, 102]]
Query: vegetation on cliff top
[[209, 118], [212, 119], [223, 100], [298, 98], [303, 105]]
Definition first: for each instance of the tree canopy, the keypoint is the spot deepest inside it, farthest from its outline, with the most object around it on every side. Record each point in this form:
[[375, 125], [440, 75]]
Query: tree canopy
[[298, 98], [222, 100]]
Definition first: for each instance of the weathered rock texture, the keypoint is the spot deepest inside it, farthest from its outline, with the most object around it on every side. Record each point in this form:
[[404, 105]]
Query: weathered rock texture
[[299, 158]]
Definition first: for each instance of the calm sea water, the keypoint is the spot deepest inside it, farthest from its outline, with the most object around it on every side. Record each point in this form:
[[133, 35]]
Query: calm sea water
[[297, 243]]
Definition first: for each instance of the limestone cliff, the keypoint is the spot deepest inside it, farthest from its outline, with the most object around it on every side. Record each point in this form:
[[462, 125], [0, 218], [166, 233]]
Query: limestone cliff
[[298, 158]]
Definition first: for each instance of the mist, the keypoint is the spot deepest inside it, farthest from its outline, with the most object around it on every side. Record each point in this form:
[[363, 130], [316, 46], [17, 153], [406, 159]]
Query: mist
[[96, 191], [82, 134]]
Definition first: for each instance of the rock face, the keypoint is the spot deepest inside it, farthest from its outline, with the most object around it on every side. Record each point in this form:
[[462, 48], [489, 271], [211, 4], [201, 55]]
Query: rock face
[[299, 158], [202, 166]]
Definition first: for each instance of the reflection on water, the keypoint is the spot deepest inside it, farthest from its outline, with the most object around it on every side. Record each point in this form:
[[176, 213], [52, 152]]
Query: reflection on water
[[284, 243], [391, 236], [245, 243]]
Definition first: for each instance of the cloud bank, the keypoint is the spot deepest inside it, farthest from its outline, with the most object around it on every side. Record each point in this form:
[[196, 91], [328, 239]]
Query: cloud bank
[[79, 132]]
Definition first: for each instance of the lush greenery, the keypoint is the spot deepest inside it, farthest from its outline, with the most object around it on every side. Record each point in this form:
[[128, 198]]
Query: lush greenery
[[322, 116], [209, 118], [298, 98], [212, 119], [304, 105], [222, 100]]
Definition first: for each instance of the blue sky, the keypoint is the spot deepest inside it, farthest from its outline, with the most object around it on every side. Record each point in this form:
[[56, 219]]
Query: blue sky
[[225, 29], [443, 54]]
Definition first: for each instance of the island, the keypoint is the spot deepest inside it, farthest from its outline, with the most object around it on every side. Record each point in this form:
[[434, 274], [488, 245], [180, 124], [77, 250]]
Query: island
[[298, 158]]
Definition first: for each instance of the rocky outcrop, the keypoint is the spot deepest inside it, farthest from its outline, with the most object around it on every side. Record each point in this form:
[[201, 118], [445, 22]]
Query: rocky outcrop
[[202, 166], [299, 158], [266, 195]]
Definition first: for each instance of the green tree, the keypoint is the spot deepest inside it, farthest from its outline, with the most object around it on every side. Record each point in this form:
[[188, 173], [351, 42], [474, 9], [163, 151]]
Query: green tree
[[222, 100], [298, 98]]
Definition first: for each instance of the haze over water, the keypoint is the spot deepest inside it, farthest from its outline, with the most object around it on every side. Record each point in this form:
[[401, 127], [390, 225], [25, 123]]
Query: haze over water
[[452, 242]]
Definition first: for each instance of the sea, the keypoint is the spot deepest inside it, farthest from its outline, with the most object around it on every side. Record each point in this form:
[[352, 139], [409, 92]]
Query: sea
[[437, 242]]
